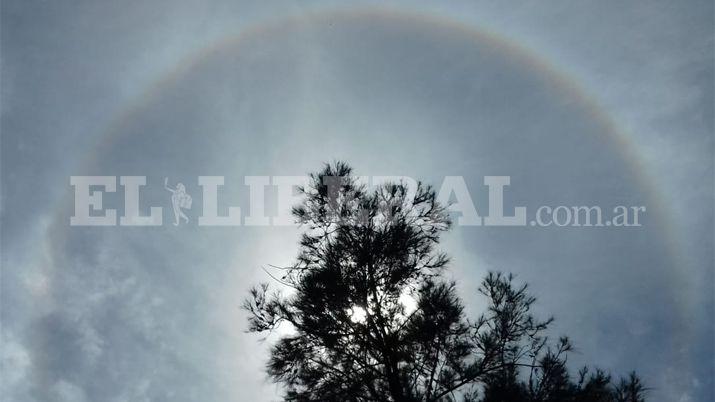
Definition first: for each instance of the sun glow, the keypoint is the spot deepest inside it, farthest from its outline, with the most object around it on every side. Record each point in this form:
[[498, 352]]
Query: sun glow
[[408, 302], [357, 314]]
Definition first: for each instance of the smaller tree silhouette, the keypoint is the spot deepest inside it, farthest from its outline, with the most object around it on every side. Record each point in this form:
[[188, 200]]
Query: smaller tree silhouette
[[373, 318]]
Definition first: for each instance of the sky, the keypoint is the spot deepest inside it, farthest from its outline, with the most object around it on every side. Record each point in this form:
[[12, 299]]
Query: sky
[[580, 103]]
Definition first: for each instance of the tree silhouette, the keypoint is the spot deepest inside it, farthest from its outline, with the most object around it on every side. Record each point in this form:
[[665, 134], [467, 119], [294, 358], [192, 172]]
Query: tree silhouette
[[372, 318]]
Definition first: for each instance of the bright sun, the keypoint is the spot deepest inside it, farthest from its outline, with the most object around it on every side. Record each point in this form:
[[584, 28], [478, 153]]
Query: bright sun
[[359, 315]]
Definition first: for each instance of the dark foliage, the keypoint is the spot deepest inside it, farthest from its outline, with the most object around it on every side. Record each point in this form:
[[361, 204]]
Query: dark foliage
[[356, 337]]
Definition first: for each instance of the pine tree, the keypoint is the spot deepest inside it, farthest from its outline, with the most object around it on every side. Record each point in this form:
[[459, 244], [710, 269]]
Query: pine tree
[[372, 317]]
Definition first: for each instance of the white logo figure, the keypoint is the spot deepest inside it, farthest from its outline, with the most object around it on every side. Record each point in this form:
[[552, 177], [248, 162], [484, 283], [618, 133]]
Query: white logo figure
[[179, 200]]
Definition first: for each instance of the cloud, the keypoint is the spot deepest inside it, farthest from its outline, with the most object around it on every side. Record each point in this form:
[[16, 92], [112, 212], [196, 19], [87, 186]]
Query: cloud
[[152, 314]]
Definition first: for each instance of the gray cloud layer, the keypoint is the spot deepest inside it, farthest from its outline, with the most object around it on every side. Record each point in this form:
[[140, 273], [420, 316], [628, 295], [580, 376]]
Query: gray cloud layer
[[119, 314]]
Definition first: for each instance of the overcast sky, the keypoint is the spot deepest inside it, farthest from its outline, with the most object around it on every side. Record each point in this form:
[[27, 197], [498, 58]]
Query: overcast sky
[[581, 103]]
